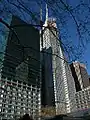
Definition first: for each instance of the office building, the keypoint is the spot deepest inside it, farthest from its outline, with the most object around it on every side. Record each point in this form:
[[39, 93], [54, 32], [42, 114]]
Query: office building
[[20, 72], [58, 87], [80, 75], [83, 99]]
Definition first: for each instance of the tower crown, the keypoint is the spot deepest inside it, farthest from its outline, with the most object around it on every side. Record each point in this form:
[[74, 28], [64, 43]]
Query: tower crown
[[52, 22]]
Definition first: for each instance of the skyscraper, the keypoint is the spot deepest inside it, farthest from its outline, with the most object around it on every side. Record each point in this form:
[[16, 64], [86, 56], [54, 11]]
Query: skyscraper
[[20, 72], [80, 75], [58, 84]]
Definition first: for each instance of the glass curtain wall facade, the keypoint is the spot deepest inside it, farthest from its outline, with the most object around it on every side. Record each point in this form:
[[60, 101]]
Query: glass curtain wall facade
[[20, 73], [61, 79], [4, 31]]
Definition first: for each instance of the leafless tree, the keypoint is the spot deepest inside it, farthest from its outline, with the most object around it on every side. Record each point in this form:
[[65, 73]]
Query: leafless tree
[[72, 19]]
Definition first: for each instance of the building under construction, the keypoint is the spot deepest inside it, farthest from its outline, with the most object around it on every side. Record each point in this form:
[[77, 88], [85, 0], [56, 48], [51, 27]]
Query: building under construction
[[58, 88]]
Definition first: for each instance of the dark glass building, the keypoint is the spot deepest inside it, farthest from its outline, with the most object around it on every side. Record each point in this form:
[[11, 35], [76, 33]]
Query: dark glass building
[[20, 72], [22, 46]]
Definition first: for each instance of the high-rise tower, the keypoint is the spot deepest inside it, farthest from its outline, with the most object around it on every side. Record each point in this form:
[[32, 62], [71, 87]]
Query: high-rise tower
[[58, 84], [80, 75], [20, 72]]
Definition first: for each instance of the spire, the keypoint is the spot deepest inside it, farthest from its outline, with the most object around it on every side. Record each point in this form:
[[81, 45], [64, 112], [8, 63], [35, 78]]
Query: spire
[[41, 11], [41, 14], [46, 12], [46, 21]]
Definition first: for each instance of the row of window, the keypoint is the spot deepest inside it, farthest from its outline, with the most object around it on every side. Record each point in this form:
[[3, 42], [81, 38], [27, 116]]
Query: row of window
[[18, 100]]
